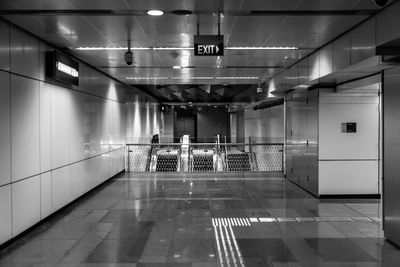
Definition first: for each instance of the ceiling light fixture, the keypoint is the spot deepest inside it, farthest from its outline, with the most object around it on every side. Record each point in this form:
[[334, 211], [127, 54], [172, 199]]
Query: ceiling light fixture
[[177, 67], [262, 48], [155, 12], [99, 48], [172, 48]]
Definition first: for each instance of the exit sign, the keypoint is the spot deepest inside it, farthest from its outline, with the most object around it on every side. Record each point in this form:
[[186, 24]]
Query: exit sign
[[208, 45]]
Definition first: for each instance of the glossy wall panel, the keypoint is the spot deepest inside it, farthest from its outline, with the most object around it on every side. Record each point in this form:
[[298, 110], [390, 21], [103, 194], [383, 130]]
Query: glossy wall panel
[[79, 103], [24, 127], [387, 24], [60, 187], [362, 145], [45, 195], [363, 42], [78, 176], [391, 156], [4, 46], [60, 126], [5, 133], [24, 54], [45, 127], [312, 137], [52, 135], [326, 60], [341, 52], [5, 211], [348, 177], [25, 204]]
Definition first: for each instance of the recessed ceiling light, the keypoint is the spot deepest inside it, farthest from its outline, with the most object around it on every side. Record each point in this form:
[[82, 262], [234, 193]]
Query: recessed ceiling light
[[177, 67], [155, 12]]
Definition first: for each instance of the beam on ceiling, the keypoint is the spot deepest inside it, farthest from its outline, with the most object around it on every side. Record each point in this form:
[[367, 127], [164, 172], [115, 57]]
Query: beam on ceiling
[[110, 12], [192, 67]]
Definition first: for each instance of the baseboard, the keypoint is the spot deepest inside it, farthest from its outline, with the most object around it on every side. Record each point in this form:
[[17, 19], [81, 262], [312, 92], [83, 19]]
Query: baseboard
[[54, 214]]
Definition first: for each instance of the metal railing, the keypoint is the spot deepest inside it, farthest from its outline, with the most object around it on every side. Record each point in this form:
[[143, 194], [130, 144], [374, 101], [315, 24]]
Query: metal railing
[[205, 157]]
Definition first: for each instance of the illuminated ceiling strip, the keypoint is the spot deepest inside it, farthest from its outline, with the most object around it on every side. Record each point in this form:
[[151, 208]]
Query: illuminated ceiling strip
[[262, 48], [105, 48], [193, 78]]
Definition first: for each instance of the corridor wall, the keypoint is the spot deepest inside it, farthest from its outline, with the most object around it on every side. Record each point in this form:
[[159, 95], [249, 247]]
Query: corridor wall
[[264, 125], [57, 142], [143, 119]]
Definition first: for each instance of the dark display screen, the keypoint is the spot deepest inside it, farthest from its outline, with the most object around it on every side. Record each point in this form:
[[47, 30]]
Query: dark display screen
[[62, 68]]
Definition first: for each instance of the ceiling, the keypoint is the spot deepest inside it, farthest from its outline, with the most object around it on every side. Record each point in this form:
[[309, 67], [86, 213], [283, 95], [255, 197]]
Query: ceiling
[[306, 24]]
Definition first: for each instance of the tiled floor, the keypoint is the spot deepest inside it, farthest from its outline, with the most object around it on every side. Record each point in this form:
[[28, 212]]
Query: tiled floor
[[238, 220]]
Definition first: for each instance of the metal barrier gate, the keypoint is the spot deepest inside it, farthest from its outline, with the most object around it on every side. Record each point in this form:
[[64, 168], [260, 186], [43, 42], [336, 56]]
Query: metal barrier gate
[[206, 157]]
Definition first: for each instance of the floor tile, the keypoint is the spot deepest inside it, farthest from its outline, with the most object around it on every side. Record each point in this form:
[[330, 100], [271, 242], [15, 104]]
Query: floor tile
[[153, 220]]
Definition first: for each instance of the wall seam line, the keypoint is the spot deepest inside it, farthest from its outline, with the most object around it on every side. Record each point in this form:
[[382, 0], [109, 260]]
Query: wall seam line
[[60, 85], [64, 166]]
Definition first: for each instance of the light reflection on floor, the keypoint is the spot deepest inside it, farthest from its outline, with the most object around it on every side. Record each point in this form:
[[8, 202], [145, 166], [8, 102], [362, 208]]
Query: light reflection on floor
[[233, 220]]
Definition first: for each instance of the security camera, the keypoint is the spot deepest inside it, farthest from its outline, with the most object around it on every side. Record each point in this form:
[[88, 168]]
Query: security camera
[[381, 3], [128, 56]]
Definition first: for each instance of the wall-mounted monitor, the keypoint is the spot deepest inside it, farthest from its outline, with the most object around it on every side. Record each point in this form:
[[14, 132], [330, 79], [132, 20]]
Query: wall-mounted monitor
[[62, 68], [349, 127]]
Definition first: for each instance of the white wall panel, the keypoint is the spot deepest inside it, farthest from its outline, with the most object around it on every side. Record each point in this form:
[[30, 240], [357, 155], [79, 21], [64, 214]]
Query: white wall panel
[[60, 125], [265, 125], [314, 66], [94, 126], [4, 46], [43, 49], [77, 125], [341, 52], [25, 204], [348, 177], [93, 166], [387, 22], [122, 124], [24, 127], [5, 211], [78, 176], [363, 42], [45, 127], [45, 195], [334, 144], [326, 60], [106, 125], [60, 187], [24, 54], [5, 134]]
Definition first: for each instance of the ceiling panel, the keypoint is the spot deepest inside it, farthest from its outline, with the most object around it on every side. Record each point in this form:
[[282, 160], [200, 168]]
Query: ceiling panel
[[240, 27]]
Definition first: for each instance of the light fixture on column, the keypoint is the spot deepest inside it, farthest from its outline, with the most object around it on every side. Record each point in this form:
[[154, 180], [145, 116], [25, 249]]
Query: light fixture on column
[[259, 88], [128, 56]]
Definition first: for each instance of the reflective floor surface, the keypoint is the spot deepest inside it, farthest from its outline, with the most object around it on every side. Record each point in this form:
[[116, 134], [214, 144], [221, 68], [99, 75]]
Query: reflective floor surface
[[237, 220]]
